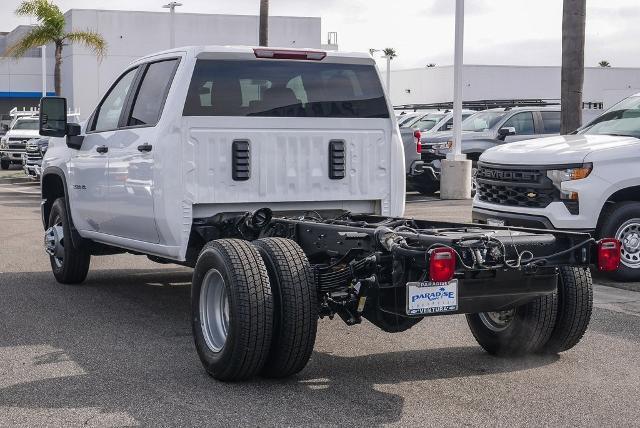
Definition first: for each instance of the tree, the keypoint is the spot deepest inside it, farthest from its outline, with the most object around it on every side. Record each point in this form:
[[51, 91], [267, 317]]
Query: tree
[[264, 22], [50, 29], [573, 36], [604, 63], [390, 53]]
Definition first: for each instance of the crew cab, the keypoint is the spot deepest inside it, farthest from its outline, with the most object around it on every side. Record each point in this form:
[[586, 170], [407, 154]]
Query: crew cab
[[486, 129], [13, 143], [278, 175], [588, 181]]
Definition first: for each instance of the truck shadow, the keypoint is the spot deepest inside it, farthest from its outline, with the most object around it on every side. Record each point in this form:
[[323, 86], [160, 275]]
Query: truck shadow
[[124, 337]]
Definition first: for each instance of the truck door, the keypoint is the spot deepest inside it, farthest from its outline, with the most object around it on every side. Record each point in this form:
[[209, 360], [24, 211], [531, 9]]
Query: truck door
[[131, 158], [88, 187]]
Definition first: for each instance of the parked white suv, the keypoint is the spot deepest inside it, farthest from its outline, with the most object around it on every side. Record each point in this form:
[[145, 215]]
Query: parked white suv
[[589, 181]]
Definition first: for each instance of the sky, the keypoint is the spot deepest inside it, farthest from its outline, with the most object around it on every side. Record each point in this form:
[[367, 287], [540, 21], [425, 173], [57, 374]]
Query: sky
[[514, 32]]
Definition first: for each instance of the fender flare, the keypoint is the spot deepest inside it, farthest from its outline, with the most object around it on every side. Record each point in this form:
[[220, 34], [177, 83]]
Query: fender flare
[[77, 240]]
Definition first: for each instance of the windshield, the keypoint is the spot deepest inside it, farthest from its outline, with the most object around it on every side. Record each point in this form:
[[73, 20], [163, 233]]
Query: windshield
[[482, 121], [404, 119], [426, 123], [621, 119], [31, 125]]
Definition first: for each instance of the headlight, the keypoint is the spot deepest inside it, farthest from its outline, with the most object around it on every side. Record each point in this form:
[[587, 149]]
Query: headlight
[[3, 143], [558, 176], [443, 146]]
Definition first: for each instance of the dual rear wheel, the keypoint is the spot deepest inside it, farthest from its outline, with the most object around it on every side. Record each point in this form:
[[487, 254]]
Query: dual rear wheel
[[254, 308]]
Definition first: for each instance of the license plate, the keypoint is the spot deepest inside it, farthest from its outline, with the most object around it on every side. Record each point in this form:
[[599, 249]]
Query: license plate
[[495, 222], [432, 297]]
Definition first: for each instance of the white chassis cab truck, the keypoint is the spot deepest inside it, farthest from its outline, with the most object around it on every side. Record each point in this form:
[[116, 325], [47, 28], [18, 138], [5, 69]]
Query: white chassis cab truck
[[588, 182], [278, 175]]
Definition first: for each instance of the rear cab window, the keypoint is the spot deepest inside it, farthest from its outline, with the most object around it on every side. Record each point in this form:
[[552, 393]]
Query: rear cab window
[[284, 88]]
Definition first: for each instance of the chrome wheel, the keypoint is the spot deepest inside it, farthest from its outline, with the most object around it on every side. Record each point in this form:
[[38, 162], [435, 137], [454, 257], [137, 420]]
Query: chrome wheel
[[497, 321], [54, 242], [629, 235], [214, 310]]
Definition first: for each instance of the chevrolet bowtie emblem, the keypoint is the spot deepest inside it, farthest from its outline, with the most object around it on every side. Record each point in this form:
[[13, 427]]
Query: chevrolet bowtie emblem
[[531, 195]]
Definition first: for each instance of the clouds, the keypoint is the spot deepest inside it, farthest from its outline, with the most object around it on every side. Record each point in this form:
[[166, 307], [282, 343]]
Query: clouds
[[496, 31]]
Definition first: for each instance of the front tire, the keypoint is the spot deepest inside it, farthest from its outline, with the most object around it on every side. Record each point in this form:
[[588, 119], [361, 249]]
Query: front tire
[[519, 331], [622, 221], [295, 306], [69, 264], [232, 310]]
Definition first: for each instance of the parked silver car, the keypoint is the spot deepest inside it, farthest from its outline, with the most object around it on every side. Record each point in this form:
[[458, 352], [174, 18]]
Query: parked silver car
[[484, 130]]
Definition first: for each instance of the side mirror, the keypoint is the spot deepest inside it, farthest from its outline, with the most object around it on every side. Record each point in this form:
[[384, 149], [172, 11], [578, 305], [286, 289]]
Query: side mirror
[[448, 126], [506, 132], [53, 116]]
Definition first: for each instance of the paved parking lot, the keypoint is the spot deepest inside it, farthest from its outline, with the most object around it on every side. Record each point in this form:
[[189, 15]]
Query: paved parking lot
[[118, 351]]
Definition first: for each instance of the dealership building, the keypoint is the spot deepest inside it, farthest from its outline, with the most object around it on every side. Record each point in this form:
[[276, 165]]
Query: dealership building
[[130, 35]]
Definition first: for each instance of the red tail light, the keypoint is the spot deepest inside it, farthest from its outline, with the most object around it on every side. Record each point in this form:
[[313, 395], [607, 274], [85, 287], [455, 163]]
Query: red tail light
[[608, 254], [290, 54], [417, 136], [442, 264]]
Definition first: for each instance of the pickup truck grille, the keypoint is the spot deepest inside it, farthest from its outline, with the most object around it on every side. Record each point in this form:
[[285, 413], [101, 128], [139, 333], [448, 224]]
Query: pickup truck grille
[[513, 186], [17, 146]]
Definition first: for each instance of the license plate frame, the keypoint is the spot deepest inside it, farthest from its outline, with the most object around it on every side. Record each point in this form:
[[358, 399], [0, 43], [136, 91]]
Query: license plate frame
[[428, 297]]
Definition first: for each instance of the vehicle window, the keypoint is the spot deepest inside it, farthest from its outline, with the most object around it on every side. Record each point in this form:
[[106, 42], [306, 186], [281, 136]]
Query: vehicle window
[[285, 89], [621, 119], [30, 125], [523, 122], [428, 122], [551, 122], [152, 93], [108, 114], [482, 121]]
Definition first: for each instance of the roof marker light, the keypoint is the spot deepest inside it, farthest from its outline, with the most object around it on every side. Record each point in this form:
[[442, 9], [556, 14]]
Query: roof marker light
[[289, 54]]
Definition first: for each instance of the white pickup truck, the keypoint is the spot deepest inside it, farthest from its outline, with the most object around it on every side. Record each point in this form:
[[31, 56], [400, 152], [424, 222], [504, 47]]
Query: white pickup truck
[[278, 175], [589, 181]]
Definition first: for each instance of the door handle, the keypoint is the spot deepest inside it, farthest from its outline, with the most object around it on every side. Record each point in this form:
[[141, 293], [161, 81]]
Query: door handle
[[102, 149], [146, 147]]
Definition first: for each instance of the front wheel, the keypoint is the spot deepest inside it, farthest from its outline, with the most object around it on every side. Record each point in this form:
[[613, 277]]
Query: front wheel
[[232, 310], [69, 264], [622, 221], [518, 331]]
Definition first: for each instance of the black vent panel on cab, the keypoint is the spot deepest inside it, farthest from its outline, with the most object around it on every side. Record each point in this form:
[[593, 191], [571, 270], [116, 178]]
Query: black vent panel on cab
[[337, 160], [241, 158]]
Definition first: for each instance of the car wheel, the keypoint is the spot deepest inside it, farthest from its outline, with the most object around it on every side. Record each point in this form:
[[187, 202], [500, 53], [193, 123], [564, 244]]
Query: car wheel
[[518, 331], [5, 164], [232, 310], [575, 303], [622, 221], [69, 264], [295, 299]]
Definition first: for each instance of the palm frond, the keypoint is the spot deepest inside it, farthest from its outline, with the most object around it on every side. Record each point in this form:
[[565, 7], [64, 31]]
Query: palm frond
[[47, 13], [92, 40], [38, 36]]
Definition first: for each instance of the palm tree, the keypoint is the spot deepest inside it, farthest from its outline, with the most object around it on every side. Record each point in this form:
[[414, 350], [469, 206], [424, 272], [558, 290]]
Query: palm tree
[[264, 22], [389, 54], [573, 30], [50, 29], [604, 63]]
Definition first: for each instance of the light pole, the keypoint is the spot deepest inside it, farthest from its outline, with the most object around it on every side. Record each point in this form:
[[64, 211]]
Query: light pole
[[172, 12], [455, 182], [43, 52]]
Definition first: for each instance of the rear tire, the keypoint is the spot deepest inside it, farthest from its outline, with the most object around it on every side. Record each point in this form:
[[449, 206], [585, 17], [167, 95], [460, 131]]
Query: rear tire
[[575, 303], [522, 330], [231, 310], [295, 298], [5, 164], [622, 221], [69, 264]]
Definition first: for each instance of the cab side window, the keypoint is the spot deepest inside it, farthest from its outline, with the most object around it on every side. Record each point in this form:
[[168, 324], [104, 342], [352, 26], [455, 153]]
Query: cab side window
[[108, 114], [523, 122], [551, 122], [152, 93]]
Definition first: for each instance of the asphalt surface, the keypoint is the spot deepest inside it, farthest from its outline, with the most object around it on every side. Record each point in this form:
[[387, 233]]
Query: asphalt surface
[[117, 351]]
